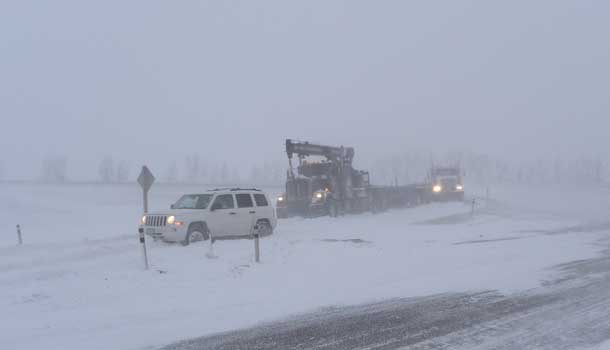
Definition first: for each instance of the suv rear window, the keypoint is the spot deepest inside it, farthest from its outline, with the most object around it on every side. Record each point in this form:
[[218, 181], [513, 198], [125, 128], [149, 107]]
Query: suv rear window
[[244, 200], [261, 200]]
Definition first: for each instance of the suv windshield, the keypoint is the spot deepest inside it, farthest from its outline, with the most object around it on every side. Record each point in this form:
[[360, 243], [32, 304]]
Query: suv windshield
[[193, 201]]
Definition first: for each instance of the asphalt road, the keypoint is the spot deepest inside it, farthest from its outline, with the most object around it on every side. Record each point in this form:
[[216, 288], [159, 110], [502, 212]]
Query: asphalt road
[[572, 312]]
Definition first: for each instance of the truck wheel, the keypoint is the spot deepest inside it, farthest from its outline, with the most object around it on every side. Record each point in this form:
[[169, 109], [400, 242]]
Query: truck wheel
[[196, 233]]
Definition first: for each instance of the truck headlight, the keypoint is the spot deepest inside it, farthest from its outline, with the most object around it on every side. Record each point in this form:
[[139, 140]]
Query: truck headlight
[[171, 219], [280, 199], [459, 187], [437, 188], [143, 220], [317, 197]]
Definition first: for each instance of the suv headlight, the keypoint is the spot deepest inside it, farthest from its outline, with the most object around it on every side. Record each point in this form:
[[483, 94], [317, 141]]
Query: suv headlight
[[459, 187], [280, 199], [143, 220], [171, 219], [437, 188]]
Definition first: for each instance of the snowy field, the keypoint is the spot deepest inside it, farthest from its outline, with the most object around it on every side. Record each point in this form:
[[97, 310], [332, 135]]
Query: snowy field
[[78, 280]]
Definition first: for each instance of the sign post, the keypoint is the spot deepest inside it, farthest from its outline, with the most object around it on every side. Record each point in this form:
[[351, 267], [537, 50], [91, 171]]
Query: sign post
[[145, 179], [19, 239]]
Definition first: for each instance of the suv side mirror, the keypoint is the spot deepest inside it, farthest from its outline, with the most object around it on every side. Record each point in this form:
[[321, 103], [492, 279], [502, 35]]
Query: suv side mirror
[[216, 206], [173, 206]]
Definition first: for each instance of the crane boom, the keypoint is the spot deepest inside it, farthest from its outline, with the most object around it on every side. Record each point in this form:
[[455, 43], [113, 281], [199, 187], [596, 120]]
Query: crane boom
[[303, 149]]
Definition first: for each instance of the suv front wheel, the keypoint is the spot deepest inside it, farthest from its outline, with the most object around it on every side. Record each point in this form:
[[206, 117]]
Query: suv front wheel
[[196, 233]]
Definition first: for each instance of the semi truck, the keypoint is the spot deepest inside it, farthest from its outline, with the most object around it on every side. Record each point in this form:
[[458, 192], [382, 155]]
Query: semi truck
[[329, 185], [446, 183]]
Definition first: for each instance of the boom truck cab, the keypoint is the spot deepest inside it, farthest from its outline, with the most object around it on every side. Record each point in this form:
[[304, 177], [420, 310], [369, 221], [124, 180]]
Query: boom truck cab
[[446, 183], [326, 186]]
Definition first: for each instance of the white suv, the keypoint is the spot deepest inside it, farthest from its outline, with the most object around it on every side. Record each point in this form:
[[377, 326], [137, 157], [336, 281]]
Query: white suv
[[217, 213]]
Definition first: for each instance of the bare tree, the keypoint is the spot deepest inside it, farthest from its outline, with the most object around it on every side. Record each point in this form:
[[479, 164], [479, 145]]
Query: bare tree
[[122, 171], [599, 170], [255, 174], [235, 176], [172, 172], [54, 169], [191, 165], [224, 174], [106, 171]]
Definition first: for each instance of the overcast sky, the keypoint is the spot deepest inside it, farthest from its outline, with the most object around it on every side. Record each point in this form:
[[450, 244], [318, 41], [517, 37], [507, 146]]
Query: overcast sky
[[148, 81]]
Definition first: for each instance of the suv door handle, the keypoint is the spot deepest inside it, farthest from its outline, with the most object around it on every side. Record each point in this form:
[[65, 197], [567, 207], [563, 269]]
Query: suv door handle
[[252, 212], [232, 213]]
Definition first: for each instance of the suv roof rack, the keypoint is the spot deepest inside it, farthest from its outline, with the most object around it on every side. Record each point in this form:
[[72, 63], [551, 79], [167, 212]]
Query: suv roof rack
[[234, 189]]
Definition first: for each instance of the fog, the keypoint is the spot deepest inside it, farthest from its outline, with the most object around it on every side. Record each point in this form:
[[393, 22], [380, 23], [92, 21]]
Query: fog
[[151, 82]]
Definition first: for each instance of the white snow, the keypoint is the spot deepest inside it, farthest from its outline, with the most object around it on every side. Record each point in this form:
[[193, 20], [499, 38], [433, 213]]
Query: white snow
[[78, 280], [603, 346]]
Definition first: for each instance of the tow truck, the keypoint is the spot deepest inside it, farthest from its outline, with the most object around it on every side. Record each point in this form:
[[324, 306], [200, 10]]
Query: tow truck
[[331, 186]]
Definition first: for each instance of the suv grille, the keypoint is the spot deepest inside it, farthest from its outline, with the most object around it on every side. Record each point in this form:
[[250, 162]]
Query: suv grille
[[156, 220]]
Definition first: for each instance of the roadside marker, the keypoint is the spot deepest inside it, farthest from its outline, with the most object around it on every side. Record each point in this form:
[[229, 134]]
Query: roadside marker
[[473, 204], [256, 236], [210, 254], [143, 242], [19, 239], [257, 251]]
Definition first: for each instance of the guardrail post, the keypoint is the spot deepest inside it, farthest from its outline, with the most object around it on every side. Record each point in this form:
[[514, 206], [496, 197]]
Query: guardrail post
[[255, 235], [210, 254], [19, 238], [143, 242], [257, 252], [473, 204]]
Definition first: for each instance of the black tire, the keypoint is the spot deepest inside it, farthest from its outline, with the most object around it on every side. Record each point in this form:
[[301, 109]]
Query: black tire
[[196, 233]]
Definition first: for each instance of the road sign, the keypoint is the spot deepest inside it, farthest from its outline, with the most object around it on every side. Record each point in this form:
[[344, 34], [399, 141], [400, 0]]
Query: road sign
[[146, 179]]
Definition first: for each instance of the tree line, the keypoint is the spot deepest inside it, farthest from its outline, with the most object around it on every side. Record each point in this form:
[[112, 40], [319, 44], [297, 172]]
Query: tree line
[[193, 169], [405, 168]]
